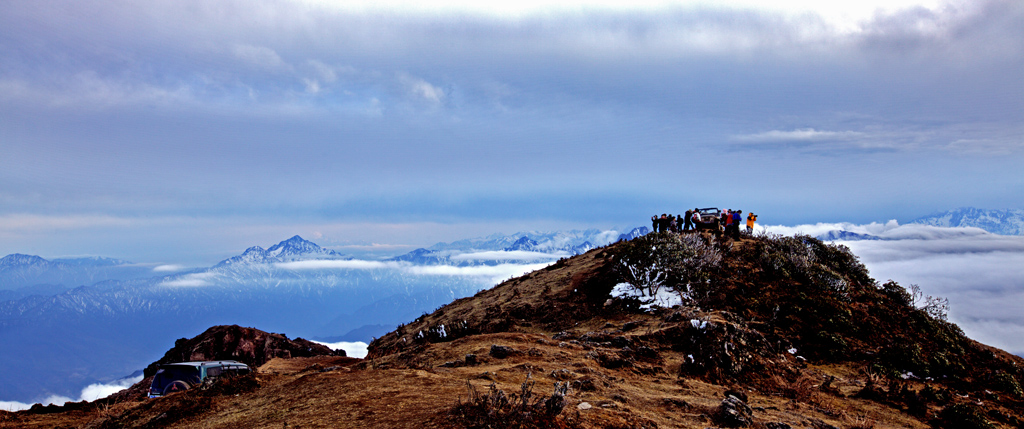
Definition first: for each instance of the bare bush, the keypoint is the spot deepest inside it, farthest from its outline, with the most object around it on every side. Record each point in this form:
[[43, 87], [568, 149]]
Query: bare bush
[[680, 263], [521, 410], [936, 307], [643, 263]]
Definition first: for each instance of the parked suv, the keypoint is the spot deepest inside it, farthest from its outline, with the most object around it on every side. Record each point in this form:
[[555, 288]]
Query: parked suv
[[710, 214], [710, 219], [177, 377]]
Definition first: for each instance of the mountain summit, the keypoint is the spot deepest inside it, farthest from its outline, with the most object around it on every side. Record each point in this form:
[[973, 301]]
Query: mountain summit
[[292, 249], [20, 260]]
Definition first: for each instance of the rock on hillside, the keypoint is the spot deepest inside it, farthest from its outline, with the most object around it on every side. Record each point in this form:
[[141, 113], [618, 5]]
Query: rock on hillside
[[248, 345]]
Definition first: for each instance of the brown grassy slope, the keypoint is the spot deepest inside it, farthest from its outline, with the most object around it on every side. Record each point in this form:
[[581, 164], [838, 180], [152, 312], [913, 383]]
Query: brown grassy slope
[[327, 392], [768, 295]]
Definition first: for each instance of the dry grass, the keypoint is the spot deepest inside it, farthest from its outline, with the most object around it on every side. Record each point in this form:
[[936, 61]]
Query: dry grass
[[860, 421]]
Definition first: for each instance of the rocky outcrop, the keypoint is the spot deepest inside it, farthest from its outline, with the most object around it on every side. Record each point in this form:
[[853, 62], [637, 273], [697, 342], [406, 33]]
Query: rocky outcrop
[[248, 345]]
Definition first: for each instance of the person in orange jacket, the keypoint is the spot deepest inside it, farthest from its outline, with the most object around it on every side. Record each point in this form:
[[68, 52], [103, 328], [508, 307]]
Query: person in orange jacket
[[751, 218]]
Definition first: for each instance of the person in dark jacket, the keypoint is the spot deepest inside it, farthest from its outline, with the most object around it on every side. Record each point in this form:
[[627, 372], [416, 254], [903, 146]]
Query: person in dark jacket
[[654, 223], [736, 218], [688, 221]]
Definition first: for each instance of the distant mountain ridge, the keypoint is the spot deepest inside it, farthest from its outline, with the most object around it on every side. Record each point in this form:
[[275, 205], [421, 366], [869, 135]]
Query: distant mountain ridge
[[20, 272], [1002, 222], [558, 244], [292, 249], [843, 235]]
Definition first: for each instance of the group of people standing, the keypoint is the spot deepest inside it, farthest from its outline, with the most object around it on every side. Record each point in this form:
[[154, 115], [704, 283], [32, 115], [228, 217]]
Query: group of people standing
[[669, 223], [729, 221]]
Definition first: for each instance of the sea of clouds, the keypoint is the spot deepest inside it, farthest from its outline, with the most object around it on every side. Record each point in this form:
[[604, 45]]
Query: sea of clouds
[[981, 273], [356, 349], [91, 392]]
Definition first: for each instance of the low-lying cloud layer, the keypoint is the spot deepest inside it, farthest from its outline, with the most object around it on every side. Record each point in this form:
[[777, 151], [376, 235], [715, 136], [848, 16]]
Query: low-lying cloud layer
[[508, 255], [982, 274], [493, 273], [91, 392], [512, 264], [356, 349]]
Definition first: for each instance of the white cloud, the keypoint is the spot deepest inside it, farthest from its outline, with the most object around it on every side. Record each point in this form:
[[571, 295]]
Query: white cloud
[[14, 405], [845, 15], [494, 273], [96, 391], [504, 255], [354, 264], [799, 135], [356, 349], [325, 72], [421, 89], [490, 273], [375, 246], [891, 230], [87, 89], [261, 56], [90, 393], [987, 146], [168, 268], [607, 237], [312, 86], [191, 280]]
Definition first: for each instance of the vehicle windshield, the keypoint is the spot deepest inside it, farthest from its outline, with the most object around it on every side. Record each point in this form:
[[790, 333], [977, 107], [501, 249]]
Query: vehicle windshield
[[169, 374]]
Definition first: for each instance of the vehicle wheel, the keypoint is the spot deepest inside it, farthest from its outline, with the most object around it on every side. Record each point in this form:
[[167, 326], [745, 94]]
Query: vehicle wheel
[[175, 386]]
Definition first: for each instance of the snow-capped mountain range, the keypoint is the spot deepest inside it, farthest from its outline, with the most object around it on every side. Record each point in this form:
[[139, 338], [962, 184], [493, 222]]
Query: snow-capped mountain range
[[24, 275], [292, 249], [554, 244], [1002, 222]]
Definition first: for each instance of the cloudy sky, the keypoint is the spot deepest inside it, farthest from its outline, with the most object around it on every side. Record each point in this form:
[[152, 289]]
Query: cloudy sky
[[183, 131]]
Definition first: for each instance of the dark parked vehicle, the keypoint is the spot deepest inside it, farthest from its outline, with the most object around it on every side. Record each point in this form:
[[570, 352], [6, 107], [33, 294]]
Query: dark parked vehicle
[[177, 377], [710, 219]]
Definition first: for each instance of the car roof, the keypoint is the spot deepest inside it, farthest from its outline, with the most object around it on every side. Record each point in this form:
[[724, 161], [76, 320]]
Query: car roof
[[207, 363]]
